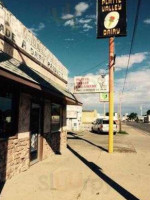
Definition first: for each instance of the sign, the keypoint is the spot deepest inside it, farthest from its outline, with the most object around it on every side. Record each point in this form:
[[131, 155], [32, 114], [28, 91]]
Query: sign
[[111, 18], [91, 84], [104, 97], [72, 114], [16, 32]]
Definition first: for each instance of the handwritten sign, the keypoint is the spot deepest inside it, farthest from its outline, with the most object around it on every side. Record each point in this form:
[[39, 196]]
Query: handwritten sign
[[91, 84]]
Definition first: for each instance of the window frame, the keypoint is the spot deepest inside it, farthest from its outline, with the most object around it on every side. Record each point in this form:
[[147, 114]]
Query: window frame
[[11, 89], [60, 120]]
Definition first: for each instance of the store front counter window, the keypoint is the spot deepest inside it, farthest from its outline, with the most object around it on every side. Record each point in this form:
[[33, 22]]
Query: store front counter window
[[55, 117], [7, 113]]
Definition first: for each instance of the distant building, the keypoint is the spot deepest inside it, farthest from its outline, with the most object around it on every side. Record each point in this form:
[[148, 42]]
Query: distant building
[[89, 116], [147, 119], [125, 117], [74, 116]]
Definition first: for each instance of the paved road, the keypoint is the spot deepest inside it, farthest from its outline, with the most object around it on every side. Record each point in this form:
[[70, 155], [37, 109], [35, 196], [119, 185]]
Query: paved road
[[142, 126]]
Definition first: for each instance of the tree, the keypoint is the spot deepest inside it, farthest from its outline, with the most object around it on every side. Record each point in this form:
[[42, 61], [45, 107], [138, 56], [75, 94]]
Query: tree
[[107, 114], [133, 116], [148, 112]]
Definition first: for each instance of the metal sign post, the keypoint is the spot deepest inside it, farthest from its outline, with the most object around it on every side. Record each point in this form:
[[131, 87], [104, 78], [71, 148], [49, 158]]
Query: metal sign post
[[111, 93], [111, 22]]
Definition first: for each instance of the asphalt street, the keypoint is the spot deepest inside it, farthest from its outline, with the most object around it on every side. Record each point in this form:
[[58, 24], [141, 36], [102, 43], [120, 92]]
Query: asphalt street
[[140, 125]]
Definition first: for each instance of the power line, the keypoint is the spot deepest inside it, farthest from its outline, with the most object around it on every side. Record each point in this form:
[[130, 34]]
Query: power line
[[93, 68], [101, 63], [132, 42]]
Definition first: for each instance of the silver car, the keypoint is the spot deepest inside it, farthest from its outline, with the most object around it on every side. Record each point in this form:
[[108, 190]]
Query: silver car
[[102, 126]]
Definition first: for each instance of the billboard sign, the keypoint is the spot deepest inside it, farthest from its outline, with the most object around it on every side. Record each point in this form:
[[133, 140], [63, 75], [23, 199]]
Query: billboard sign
[[72, 114], [111, 18], [104, 97], [91, 84]]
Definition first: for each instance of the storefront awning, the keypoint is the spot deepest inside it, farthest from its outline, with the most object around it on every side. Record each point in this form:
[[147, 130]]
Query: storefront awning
[[20, 72]]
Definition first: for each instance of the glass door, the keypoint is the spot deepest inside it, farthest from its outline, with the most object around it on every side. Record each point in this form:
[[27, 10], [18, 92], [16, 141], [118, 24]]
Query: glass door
[[35, 121]]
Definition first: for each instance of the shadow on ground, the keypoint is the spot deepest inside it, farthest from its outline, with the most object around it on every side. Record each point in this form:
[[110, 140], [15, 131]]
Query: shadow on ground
[[98, 171], [76, 137]]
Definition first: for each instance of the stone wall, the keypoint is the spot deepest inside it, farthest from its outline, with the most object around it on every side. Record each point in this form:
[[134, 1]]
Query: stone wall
[[14, 157], [15, 152], [51, 144]]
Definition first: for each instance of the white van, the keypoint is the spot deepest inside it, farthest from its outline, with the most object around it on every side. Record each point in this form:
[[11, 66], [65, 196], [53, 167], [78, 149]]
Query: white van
[[102, 126]]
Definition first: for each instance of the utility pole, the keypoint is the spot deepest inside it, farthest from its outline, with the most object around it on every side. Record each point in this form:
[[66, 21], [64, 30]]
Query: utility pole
[[141, 108], [111, 93], [104, 109], [120, 129]]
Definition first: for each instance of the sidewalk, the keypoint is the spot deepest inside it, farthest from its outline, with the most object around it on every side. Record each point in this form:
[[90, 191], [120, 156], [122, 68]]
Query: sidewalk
[[88, 172]]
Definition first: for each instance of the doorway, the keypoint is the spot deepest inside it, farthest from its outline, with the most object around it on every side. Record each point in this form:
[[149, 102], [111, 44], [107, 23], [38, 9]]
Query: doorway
[[35, 132]]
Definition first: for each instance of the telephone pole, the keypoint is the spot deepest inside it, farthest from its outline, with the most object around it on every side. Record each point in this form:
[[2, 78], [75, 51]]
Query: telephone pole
[[120, 129], [111, 93], [104, 109]]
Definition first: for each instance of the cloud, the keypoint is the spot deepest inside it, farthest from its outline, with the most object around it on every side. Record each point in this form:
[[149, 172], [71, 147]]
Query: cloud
[[69, 39], [147, 21], [91, 16], [75, 19], [87, 27], [69, 23], [136, 88], [122, 61], [67, 16], [41, 26], [80, 8], [36, 30], [136, 93], [85, 21]]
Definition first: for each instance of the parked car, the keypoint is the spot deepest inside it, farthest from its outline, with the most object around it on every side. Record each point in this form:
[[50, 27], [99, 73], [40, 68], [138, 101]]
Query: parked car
[[102, 126]]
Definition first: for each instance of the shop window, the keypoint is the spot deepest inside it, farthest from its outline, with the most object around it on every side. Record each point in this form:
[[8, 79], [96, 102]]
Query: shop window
[[55, 117], [8, 113]]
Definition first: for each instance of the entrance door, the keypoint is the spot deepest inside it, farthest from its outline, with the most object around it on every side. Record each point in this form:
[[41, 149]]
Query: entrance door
[[35, 122]]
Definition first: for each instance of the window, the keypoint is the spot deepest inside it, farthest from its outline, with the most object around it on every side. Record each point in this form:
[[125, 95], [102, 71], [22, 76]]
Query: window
[[55, 117], [8, 114], [107, 122]]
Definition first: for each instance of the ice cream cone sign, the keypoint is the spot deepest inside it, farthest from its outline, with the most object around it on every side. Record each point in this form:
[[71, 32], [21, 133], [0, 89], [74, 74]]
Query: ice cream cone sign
[[111, 20]]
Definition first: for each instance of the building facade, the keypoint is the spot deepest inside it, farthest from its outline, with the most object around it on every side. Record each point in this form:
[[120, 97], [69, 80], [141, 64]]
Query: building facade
[[74, 116], [33, 99], [88, 117]]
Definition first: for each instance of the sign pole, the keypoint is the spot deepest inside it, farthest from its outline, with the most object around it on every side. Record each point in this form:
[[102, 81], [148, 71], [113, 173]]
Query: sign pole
[[111, 93], [120, 114], [104, 109]]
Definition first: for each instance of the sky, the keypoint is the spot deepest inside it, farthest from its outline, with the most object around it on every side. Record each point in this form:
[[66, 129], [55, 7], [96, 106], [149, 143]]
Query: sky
[[68, 29]]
